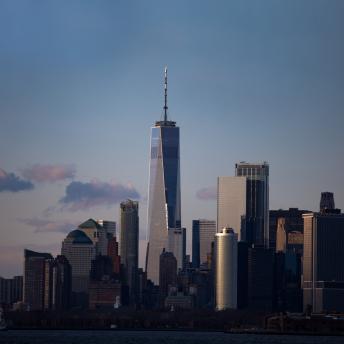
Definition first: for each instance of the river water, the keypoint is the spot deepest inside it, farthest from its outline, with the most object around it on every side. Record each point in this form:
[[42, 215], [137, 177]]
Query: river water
[[154, 337]]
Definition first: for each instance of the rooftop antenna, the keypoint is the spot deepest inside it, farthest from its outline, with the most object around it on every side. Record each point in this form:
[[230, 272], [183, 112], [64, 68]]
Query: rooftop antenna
[[165, 106]]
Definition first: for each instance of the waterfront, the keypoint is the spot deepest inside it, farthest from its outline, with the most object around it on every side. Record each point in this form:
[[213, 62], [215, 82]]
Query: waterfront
[[155, 337]]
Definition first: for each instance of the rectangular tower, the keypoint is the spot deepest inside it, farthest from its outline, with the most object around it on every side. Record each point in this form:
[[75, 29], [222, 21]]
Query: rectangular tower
[[129, 247], [231, 203], [257, 202], [323, 254], [203, 234]]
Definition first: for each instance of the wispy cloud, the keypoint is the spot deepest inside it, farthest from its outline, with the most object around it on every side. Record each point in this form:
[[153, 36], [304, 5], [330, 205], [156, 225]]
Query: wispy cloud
[[12, 183], [48, 226], [82, 196], [208, 193], [49, 173]]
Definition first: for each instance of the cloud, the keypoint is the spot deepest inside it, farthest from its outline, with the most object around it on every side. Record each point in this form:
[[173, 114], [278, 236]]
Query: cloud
[[49, 173], [11, 182], [82, 196], [48, 226], [205, 194]]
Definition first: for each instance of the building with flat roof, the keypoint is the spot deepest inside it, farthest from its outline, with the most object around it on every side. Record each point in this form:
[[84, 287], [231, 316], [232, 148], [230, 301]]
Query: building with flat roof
[[323, 254]]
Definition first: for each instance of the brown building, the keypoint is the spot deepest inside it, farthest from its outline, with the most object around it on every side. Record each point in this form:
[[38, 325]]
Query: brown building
[[105, 294], [113, 254], [58, 284], [34, 279]]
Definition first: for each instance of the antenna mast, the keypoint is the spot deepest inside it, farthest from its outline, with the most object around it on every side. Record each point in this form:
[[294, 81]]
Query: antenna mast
[[165, 106]]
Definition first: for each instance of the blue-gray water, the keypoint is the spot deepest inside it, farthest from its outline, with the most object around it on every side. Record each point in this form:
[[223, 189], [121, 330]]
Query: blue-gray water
[[155, 337]]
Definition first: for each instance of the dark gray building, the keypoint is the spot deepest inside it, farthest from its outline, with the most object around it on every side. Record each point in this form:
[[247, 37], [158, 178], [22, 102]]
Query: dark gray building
[[129, 245], [323, 254], [34, 279], [203, 234], [256, 220], [11, 290]]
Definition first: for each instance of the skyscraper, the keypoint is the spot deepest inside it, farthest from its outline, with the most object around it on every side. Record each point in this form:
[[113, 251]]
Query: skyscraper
[[79, 249], [327, 201], [164, 189], [203, 234], [129, 245], [323, 254], [231, 203], [256, 229], [34, 279], [226, 251]]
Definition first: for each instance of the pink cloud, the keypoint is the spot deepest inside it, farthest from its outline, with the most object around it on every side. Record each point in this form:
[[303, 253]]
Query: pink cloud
[[208, 193], [49, 173], [49, 226]]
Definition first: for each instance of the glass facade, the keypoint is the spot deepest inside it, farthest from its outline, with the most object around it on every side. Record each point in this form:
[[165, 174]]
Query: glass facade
[[257, 202], [164, 192]]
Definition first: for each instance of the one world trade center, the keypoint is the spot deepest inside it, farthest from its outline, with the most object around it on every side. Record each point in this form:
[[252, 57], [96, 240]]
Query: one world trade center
[[164, 215]]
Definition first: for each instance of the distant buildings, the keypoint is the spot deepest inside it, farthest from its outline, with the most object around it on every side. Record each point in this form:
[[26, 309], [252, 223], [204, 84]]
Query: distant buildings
[[256, 229], [129, 245], [226, 248], [323, 254], [105, 290], [79, 249], [11, 290], [168, 272], [177, 245], [243, 203], [34, 279], [97, 234], [327, 201], [231, 203], [57, 284], [260, 278], [164, 211], [203, 234]]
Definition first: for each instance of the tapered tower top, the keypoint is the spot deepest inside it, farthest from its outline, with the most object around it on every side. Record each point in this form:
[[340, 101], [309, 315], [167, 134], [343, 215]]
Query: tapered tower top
[[165, 122]]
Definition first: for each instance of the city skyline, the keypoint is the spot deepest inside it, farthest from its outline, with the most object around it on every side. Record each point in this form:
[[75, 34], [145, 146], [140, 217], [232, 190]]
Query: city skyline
[[87, 110]]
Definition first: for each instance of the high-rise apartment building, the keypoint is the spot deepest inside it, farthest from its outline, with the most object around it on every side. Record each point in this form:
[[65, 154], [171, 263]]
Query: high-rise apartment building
[[34, 279], [323, 254], [164, 189], [226, 252], [257, 202], [129, 245], [203, 234]]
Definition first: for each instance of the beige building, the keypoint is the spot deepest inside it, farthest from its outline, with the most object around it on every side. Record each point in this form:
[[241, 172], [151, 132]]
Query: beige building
[[226, 253], [231, 203]]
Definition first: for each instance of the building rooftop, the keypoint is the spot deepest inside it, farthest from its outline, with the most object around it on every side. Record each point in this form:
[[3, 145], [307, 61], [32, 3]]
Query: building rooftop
[[90, 223], [79, 237]]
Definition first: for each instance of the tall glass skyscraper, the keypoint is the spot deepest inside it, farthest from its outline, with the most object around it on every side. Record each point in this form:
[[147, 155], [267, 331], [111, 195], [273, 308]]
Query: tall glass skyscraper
[[257, 202], [164, 189]]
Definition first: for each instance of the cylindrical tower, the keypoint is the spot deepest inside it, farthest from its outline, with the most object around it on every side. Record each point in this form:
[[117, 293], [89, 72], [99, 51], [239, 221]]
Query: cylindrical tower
[[226, 248]]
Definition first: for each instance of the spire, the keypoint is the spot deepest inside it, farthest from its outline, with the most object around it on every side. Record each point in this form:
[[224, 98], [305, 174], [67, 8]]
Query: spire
[[165, 106]]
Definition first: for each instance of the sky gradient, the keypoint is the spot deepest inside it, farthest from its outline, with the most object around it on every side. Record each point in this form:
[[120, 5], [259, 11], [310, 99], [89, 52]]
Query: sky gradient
[[82, 83]]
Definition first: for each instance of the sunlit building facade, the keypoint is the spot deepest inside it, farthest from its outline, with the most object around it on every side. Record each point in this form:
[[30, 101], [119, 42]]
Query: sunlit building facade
[[164, 189]]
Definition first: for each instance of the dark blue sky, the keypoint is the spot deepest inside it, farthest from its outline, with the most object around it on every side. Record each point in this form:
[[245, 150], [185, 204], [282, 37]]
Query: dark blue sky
[[82, 82]]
